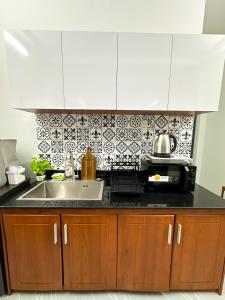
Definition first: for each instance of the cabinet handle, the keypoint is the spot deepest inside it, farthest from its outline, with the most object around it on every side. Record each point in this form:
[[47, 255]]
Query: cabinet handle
[[170, 227], [65, 234], [179, 232], [55, 234]]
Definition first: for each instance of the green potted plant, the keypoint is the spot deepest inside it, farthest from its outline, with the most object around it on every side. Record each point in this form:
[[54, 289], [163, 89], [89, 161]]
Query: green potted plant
[[39, 167]]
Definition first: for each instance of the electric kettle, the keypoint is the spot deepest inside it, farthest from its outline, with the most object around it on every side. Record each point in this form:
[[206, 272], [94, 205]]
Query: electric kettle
[[162, 146]]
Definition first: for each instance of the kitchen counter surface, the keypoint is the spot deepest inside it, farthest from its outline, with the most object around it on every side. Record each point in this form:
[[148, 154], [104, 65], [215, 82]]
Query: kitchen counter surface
[[201, 198]]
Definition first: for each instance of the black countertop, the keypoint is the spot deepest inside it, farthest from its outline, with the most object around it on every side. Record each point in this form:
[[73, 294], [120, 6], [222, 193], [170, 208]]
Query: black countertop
[[201, 198]]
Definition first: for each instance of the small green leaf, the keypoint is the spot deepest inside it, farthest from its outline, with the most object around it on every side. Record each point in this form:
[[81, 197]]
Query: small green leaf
[[39, 167]]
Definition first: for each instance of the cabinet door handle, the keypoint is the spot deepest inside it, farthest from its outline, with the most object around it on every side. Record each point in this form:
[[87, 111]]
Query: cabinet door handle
[[170, 228], [65, 234], [179, 233], [55, 234]]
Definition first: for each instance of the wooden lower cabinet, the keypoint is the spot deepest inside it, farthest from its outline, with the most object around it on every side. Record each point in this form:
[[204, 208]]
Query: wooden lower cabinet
[[109, 252], [89, 252], [144, 252], [34, 252], [198, 253]]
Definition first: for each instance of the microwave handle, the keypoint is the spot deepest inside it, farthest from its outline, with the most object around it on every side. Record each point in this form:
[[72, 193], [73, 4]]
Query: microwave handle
[[186, 177], [186, 169]]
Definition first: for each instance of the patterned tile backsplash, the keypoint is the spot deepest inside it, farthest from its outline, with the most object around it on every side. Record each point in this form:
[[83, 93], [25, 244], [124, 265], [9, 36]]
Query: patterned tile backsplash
[[111, 137]]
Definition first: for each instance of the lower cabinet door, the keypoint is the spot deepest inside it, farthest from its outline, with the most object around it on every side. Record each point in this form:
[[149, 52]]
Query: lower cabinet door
[[34, 252], [89, 252], [144, 252], [199, 251]]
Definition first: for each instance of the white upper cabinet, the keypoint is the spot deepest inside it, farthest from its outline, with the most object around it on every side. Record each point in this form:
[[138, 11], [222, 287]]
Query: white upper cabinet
[[35, 69], [109, 71], [196, 72], [89, 66], [143, 71]]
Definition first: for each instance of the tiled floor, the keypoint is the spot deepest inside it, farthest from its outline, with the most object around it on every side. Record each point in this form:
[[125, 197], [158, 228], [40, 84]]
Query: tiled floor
[[115, 296]]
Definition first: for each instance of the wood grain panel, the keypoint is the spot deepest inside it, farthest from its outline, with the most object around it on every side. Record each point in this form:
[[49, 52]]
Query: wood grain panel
[[34, 259], [198, 260], [89, 256], [111, 211], [144, 254], [117, 111]]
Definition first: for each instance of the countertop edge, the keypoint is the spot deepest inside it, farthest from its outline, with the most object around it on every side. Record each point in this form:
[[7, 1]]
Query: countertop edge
[[200, 199]]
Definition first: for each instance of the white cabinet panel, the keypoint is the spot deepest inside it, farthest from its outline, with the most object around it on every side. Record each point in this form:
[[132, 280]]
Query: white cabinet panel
[[35, 69], [89, 64], [143, 71], [196, 72]]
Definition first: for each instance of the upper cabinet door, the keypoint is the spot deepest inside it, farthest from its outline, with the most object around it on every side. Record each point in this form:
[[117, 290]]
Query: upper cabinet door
[[35, 69], [89, 65], [143, 71], [196, 72]]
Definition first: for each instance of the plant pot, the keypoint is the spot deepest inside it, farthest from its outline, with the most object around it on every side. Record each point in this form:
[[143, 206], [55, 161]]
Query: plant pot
[[40, 177]]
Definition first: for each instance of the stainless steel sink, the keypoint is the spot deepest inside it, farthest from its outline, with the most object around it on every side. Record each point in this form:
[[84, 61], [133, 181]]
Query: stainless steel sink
[[66, 190]]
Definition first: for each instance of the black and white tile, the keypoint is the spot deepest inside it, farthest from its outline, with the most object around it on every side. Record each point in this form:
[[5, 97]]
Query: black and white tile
[[109, 121], [56, 134], [187, 122], [96, 146], [69, 134], [174, 122], [95, 121], [69, 120], [134, 147], [44, 156], [109, 134], [82, 146], [70, 146], [95, 134], [148, 121], [161, 122], [135, 121], [107, 161], [147, 147], [122, 134], [58, 160], [82, 121], [108, 147], [186, 135], [55, 120], [43, 133], [44, 147], [112, 137], [83, 134], [57, 147], [148, 134], [122, 121], [121, 147]]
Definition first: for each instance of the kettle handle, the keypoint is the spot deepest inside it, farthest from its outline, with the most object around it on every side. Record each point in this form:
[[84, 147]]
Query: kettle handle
[[174, 142]]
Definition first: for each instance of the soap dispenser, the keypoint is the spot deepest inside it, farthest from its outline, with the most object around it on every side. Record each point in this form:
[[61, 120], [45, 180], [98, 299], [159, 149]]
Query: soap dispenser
[[69, 165]]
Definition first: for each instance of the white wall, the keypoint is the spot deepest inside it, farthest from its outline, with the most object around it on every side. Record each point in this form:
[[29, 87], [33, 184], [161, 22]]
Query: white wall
[[178, 16], [209, 150], [214, 21], [209, 147], [16, 124], [105, 15]]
